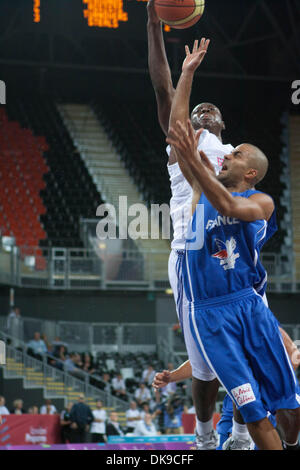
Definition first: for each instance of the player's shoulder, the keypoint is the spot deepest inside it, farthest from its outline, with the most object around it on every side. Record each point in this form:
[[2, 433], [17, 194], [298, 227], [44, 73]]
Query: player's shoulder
[[261, 196]]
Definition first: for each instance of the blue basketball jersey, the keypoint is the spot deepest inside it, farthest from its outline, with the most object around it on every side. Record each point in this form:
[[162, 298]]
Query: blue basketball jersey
[[227, 259]]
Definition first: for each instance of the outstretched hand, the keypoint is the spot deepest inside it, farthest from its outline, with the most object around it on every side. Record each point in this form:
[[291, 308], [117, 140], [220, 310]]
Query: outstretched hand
[[193, 59], [185, 141]]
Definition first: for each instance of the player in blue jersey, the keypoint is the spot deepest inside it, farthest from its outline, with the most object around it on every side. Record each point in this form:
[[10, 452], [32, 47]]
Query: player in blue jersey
[[235, 332]]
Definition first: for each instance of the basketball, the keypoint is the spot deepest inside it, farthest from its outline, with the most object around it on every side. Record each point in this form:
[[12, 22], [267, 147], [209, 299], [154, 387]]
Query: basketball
[[180, 14]]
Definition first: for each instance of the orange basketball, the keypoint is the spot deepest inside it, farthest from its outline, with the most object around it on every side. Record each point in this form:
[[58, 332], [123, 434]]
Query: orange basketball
[[179, 14]]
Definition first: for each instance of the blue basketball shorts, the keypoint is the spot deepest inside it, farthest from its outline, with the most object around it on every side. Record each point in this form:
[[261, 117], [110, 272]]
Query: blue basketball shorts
[[239, 338]]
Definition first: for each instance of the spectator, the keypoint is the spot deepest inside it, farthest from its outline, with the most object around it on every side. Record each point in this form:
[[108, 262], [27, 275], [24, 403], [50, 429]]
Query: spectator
[[48, 408], [119, 387], [60, 357], [61, 353], [105, 384], [148, 375], [56, 345], [78, 361], [48, 345], [113, 427], [15, 326], [37, 347], [98, 425], [3, 409], [18, 407], [145, 409], [172, 415], [71, 366], [33, 410], [146, 427], [81, 417], [88, 364], [133, 417], [142, 394], [65, 423]]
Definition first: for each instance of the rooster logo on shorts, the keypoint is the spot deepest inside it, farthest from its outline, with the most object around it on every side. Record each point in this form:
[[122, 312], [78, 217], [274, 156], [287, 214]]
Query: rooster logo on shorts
[[226, 253]]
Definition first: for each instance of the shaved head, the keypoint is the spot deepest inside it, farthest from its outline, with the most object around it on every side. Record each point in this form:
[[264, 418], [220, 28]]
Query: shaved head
[[245, 164], [258, 161]]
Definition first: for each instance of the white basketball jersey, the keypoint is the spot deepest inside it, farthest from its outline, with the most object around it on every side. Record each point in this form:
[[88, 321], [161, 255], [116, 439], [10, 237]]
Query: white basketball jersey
[[182, 193]]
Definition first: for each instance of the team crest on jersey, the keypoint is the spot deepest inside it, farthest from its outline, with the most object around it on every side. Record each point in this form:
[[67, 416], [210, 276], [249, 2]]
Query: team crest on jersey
[[226, 253], [220, 161]]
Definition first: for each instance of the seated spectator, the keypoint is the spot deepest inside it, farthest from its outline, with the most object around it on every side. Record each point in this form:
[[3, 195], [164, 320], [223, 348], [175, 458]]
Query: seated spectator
[[57, 344], [48, 408], [146, 427], [88, 365], [3, 409], [119, 387], [61, 353], [142, 394], [78, 361], [37, 347], [33, 410], [145, 406], [148, 375], [60, 357], [65, 423], [105, 384], [48, 345], [18, 407], [133, 417], [98, 425], [113, 427], [71, 366]]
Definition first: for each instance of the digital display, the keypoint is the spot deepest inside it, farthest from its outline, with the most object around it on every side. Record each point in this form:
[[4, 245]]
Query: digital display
[[98, 13], [36, 11]]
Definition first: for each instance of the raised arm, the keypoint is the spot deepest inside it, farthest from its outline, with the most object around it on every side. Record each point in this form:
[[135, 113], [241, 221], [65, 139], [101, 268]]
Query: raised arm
[[181, 100], [258, 206], [159, 68]]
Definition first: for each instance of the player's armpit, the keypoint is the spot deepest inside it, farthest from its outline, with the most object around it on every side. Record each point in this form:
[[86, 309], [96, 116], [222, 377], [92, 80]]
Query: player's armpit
[[256, 207]]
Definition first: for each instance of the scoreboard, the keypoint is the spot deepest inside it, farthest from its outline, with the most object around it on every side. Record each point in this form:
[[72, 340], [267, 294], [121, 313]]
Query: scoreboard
[[98, 13]]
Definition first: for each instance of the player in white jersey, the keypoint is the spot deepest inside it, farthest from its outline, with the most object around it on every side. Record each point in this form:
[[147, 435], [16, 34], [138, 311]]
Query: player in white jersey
[[207, 116]]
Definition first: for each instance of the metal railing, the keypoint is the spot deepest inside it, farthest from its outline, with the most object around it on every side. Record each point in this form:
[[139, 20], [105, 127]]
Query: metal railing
[[57, 383], [79, 268], [93, 337], [108, 337], [110, 267]]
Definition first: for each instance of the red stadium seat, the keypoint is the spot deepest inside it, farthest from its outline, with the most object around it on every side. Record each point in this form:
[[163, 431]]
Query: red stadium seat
[[22, 167]]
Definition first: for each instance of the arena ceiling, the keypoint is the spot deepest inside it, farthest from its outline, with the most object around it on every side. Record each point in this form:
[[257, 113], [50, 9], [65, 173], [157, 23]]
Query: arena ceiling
[[253, 41]]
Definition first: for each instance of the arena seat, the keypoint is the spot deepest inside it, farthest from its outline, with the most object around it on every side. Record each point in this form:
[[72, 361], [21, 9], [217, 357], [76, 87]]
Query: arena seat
[[22, 168], [67, 192]]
